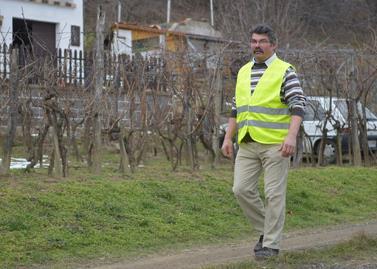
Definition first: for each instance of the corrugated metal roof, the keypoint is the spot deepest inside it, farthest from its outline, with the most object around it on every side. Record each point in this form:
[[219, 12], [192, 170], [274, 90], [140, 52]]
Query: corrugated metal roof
[[190, 26]]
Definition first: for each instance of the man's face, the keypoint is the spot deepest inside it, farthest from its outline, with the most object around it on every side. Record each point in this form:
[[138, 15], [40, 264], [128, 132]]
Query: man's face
[[261, 47]]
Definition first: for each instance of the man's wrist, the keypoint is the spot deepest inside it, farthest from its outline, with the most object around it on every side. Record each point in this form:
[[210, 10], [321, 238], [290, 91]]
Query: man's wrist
[[292, 136], [228, 138]]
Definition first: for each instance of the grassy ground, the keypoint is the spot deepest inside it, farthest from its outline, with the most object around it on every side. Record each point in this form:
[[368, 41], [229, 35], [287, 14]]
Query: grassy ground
[[52, 220], [360, 252]]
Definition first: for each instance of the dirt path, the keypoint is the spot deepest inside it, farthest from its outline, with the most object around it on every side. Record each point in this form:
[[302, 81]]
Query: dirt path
[[198, 257]]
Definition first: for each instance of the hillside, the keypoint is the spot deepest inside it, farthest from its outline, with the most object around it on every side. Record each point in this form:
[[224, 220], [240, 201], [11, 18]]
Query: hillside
[[299, 23]]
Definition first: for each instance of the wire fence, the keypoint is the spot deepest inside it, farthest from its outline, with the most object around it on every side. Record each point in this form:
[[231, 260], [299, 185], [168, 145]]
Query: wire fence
[[173, 94], [75, 67]]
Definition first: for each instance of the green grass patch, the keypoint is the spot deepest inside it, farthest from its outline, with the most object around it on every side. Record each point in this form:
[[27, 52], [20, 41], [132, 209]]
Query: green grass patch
[[51, 220], [323, 196], [361, 250]]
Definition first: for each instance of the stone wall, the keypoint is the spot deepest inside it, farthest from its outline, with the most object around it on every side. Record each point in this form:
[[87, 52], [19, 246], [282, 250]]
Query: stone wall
[[76, 102]]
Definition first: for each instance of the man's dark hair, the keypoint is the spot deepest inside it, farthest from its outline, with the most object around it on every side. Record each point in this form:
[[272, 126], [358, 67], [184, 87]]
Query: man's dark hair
[[264, 29]]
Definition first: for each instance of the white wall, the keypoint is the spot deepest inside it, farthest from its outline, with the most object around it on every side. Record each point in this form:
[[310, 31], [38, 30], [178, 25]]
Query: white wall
[[122, 42], [62, 16]]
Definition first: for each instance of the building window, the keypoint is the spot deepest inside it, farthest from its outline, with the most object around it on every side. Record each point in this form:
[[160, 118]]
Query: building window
[[146, 44], [75, 35]]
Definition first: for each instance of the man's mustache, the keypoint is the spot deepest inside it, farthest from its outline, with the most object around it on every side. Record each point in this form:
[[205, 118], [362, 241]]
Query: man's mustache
[[258, 50]]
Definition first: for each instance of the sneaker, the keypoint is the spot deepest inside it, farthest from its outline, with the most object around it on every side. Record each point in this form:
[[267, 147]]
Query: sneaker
[[265, 253], [259, 245]]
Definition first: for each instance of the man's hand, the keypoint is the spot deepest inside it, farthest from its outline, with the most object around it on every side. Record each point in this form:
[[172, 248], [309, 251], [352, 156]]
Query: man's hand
[[227, 148], [288, 147]]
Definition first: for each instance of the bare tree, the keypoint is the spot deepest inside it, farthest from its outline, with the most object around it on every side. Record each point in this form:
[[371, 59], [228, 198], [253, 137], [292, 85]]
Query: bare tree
[[244, 14]]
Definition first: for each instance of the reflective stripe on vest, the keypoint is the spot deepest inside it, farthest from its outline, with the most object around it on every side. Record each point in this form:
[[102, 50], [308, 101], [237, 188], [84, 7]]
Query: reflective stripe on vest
[[270, 125], [262, 114], [264, 110]]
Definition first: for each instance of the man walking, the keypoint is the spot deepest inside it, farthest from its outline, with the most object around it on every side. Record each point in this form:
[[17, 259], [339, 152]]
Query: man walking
[[268, 109]]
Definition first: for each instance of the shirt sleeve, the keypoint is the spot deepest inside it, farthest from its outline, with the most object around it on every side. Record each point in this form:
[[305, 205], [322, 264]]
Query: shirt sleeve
[[292, 93]]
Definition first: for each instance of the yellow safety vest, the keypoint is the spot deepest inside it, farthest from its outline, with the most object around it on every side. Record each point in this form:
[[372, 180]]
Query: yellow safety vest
[[262, 114]]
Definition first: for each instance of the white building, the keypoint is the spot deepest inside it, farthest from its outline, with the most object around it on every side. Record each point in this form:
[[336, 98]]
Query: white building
[[43, 24]]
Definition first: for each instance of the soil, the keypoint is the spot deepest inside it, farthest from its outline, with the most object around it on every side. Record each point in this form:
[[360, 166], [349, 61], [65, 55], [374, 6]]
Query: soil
[[241, 251]]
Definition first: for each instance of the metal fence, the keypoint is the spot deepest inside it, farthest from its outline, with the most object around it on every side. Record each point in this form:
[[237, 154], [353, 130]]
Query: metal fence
[[71, 66], [68, 64]]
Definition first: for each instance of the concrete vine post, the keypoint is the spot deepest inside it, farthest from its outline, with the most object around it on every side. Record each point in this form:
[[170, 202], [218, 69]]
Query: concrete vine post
[[98, 84], [217, 108], [13, 107], [353, 115]]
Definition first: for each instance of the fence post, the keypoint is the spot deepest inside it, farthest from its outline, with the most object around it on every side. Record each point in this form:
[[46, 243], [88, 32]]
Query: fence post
[[70, 70], [75, 67], [65, 66], [59, 63], [81, 63]]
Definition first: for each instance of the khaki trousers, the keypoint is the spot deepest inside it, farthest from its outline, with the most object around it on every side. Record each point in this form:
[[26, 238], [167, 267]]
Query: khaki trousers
[[268, 217]]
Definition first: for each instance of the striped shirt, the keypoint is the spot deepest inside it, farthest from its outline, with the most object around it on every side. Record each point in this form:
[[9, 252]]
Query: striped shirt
[[291, 92]]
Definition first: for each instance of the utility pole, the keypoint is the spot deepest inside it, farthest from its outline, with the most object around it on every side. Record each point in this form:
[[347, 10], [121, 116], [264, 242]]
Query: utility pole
[[119, 10], [211, 5], [168, 11]]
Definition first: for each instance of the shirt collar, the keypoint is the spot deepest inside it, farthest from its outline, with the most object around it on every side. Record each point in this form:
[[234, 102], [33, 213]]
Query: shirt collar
[[269, 60]]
